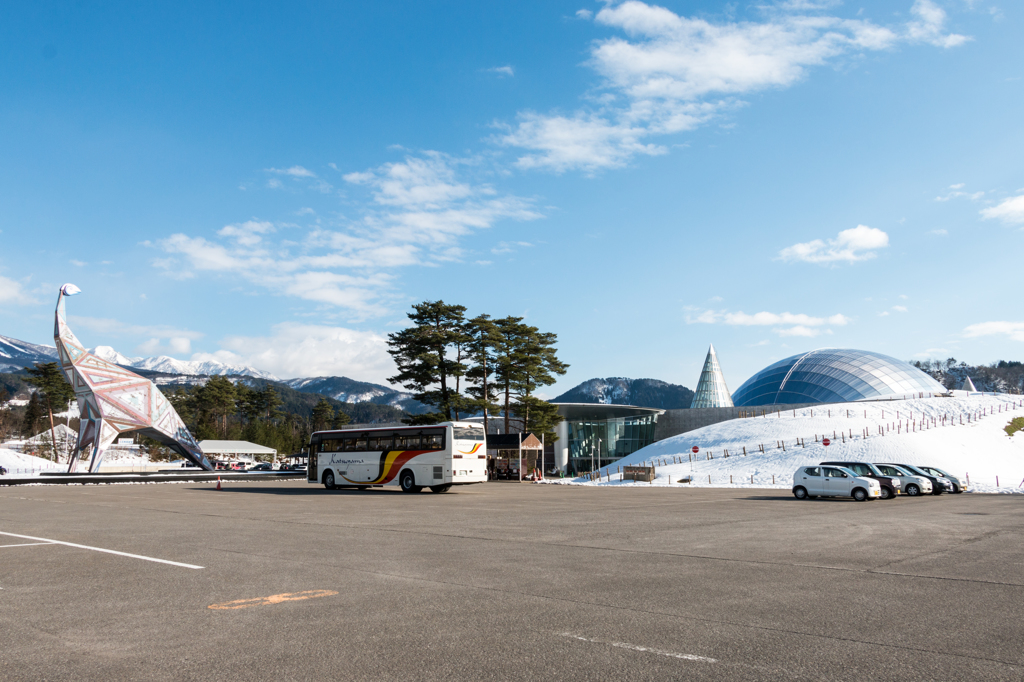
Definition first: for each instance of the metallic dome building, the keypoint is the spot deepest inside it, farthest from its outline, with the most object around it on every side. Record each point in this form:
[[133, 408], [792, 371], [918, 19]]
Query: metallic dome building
[[834, 375]]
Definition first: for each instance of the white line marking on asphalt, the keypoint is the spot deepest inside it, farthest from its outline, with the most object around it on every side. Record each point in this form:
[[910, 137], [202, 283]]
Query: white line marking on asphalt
[[27, 544], [100, 549], [644, 649]]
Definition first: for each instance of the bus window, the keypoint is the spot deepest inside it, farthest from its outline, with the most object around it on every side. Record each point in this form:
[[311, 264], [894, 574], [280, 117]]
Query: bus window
[[407, 441], [433, 441], [361, 444], [350, 445], [465, 433], [330, 446]]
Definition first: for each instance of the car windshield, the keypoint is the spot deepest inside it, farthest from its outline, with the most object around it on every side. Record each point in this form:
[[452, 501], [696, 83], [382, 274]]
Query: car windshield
[[935, 472], [913, 470]]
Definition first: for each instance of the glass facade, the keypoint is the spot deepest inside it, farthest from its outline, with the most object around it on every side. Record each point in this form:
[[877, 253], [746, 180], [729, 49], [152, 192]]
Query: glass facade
[[833, 375], [596, 443], [711, 389]]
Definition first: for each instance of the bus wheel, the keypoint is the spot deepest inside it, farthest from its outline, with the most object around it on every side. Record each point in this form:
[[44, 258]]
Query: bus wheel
[[408, 482], [440, 488], [329, 480], [362, 487]]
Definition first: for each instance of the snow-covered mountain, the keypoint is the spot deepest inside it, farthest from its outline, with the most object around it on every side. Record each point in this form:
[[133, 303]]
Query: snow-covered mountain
[[623, 391], [15, 355], [351, 391]]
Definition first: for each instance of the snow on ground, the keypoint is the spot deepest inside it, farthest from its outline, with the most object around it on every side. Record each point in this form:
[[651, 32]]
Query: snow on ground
[[979, 449], [18, 464]]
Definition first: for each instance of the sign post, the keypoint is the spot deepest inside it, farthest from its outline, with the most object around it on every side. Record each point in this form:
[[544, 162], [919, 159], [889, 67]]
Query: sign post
[[826, 442]]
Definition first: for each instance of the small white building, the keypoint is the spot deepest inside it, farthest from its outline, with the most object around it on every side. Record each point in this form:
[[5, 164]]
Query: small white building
[[237, 450]]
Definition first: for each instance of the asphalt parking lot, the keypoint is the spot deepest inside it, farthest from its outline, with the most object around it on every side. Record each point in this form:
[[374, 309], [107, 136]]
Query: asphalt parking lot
[[505, 581]]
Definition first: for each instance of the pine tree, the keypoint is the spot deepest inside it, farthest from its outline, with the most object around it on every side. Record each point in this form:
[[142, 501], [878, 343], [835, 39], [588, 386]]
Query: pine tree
[[214, 402], [56, 393], [323, 415], [421, 354], [33, 413], [483, 338]]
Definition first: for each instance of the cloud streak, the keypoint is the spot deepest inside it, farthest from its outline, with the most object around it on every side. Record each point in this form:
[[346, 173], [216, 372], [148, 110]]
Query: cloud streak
[[785, 324], [669, 73], [856, 244]]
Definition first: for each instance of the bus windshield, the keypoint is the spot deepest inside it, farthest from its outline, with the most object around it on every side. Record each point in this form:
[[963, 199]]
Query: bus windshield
[[467, 433]]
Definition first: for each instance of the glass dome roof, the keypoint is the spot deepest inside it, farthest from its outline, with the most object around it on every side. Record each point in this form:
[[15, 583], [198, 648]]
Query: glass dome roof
[[833, 375]]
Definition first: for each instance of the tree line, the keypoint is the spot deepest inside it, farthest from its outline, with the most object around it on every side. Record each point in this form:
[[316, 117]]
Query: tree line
[[463, 367]]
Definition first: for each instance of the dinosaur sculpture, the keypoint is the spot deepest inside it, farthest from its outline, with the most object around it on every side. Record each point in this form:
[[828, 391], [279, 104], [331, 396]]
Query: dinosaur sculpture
[[113, 400]]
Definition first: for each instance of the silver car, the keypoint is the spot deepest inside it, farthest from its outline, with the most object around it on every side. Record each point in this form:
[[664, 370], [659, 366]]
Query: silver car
[[912, 485], [833, 481]]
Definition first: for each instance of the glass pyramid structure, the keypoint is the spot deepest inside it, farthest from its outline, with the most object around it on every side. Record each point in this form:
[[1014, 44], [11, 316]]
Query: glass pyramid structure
[[968, 386], [711, 389]]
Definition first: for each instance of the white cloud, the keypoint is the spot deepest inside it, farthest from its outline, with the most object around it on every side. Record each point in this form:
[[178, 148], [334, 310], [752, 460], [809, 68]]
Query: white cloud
[[1009, 211], [584, 13], [932, 353], [174, 346], [929, 26], [418, 211], [669, 73], [509, 247], [856, 244], [900, 308], [13, 291], [294, 171], [940, 231], [305, 350], [786, 324], [956, 191], [78, 263], [502, 70], [1015, 330], [112, 327]]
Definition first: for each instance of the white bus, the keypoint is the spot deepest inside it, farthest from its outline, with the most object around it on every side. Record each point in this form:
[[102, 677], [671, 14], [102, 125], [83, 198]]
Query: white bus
[[411, 457]]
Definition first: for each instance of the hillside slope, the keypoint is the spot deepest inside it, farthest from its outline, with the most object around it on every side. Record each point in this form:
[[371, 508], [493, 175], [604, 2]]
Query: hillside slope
[[624, 391], [979, 449]]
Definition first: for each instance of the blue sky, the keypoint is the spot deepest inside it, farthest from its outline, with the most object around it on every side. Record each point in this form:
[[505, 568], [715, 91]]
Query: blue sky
[[275, 184]]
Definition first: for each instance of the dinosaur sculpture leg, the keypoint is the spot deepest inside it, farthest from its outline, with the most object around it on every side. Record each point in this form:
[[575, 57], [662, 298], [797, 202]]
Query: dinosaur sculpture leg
[[106, 435]]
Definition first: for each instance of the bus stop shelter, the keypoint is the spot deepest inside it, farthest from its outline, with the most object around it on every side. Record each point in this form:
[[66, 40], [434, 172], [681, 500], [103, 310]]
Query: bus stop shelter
[[506, 450]]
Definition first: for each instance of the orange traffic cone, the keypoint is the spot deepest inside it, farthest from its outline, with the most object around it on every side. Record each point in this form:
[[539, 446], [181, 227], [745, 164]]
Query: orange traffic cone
[[218, 483]]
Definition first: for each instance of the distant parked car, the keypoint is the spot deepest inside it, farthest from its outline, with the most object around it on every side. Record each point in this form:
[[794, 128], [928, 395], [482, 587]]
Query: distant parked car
[[890, 486], [833, 481], [262, 466], [958, 484], [913, 485], [940, 484]]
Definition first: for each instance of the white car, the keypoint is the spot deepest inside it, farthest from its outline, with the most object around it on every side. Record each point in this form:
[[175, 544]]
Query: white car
[[912, 485], [824, 481]]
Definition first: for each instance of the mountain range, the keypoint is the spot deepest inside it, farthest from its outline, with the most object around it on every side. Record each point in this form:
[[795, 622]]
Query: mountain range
[[623, 391], [16, 355]]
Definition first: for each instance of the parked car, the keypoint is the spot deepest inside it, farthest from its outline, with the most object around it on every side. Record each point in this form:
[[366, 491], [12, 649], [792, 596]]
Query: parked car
[[262, 466], [833, 481], [940, 484], [890, 485], [958, 484], [913, 485]]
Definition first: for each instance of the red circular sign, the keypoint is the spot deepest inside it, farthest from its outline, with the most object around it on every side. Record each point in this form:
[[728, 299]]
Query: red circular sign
[[695, 449], [825, 441]]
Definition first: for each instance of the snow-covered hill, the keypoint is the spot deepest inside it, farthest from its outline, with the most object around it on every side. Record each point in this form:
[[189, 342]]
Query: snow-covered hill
[[963, 435], [624, 391], [351, 391], [15, 354]]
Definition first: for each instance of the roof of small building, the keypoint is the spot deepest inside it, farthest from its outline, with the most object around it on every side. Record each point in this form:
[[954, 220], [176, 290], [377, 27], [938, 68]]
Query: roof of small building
[[234, 447]]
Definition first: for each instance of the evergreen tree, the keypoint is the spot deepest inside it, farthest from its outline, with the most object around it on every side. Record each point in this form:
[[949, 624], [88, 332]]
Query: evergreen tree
[[323, 415], [340, 419], [56, 393], [509, 354], [421, 353], [483, 338], [215, 401], [33, 413]]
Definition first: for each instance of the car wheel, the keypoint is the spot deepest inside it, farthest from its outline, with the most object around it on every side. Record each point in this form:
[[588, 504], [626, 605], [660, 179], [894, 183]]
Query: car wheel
[[860, 494], [329, 480], [913, 490], [887, 494], [408, 482], [800, 492], [440, 488]]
